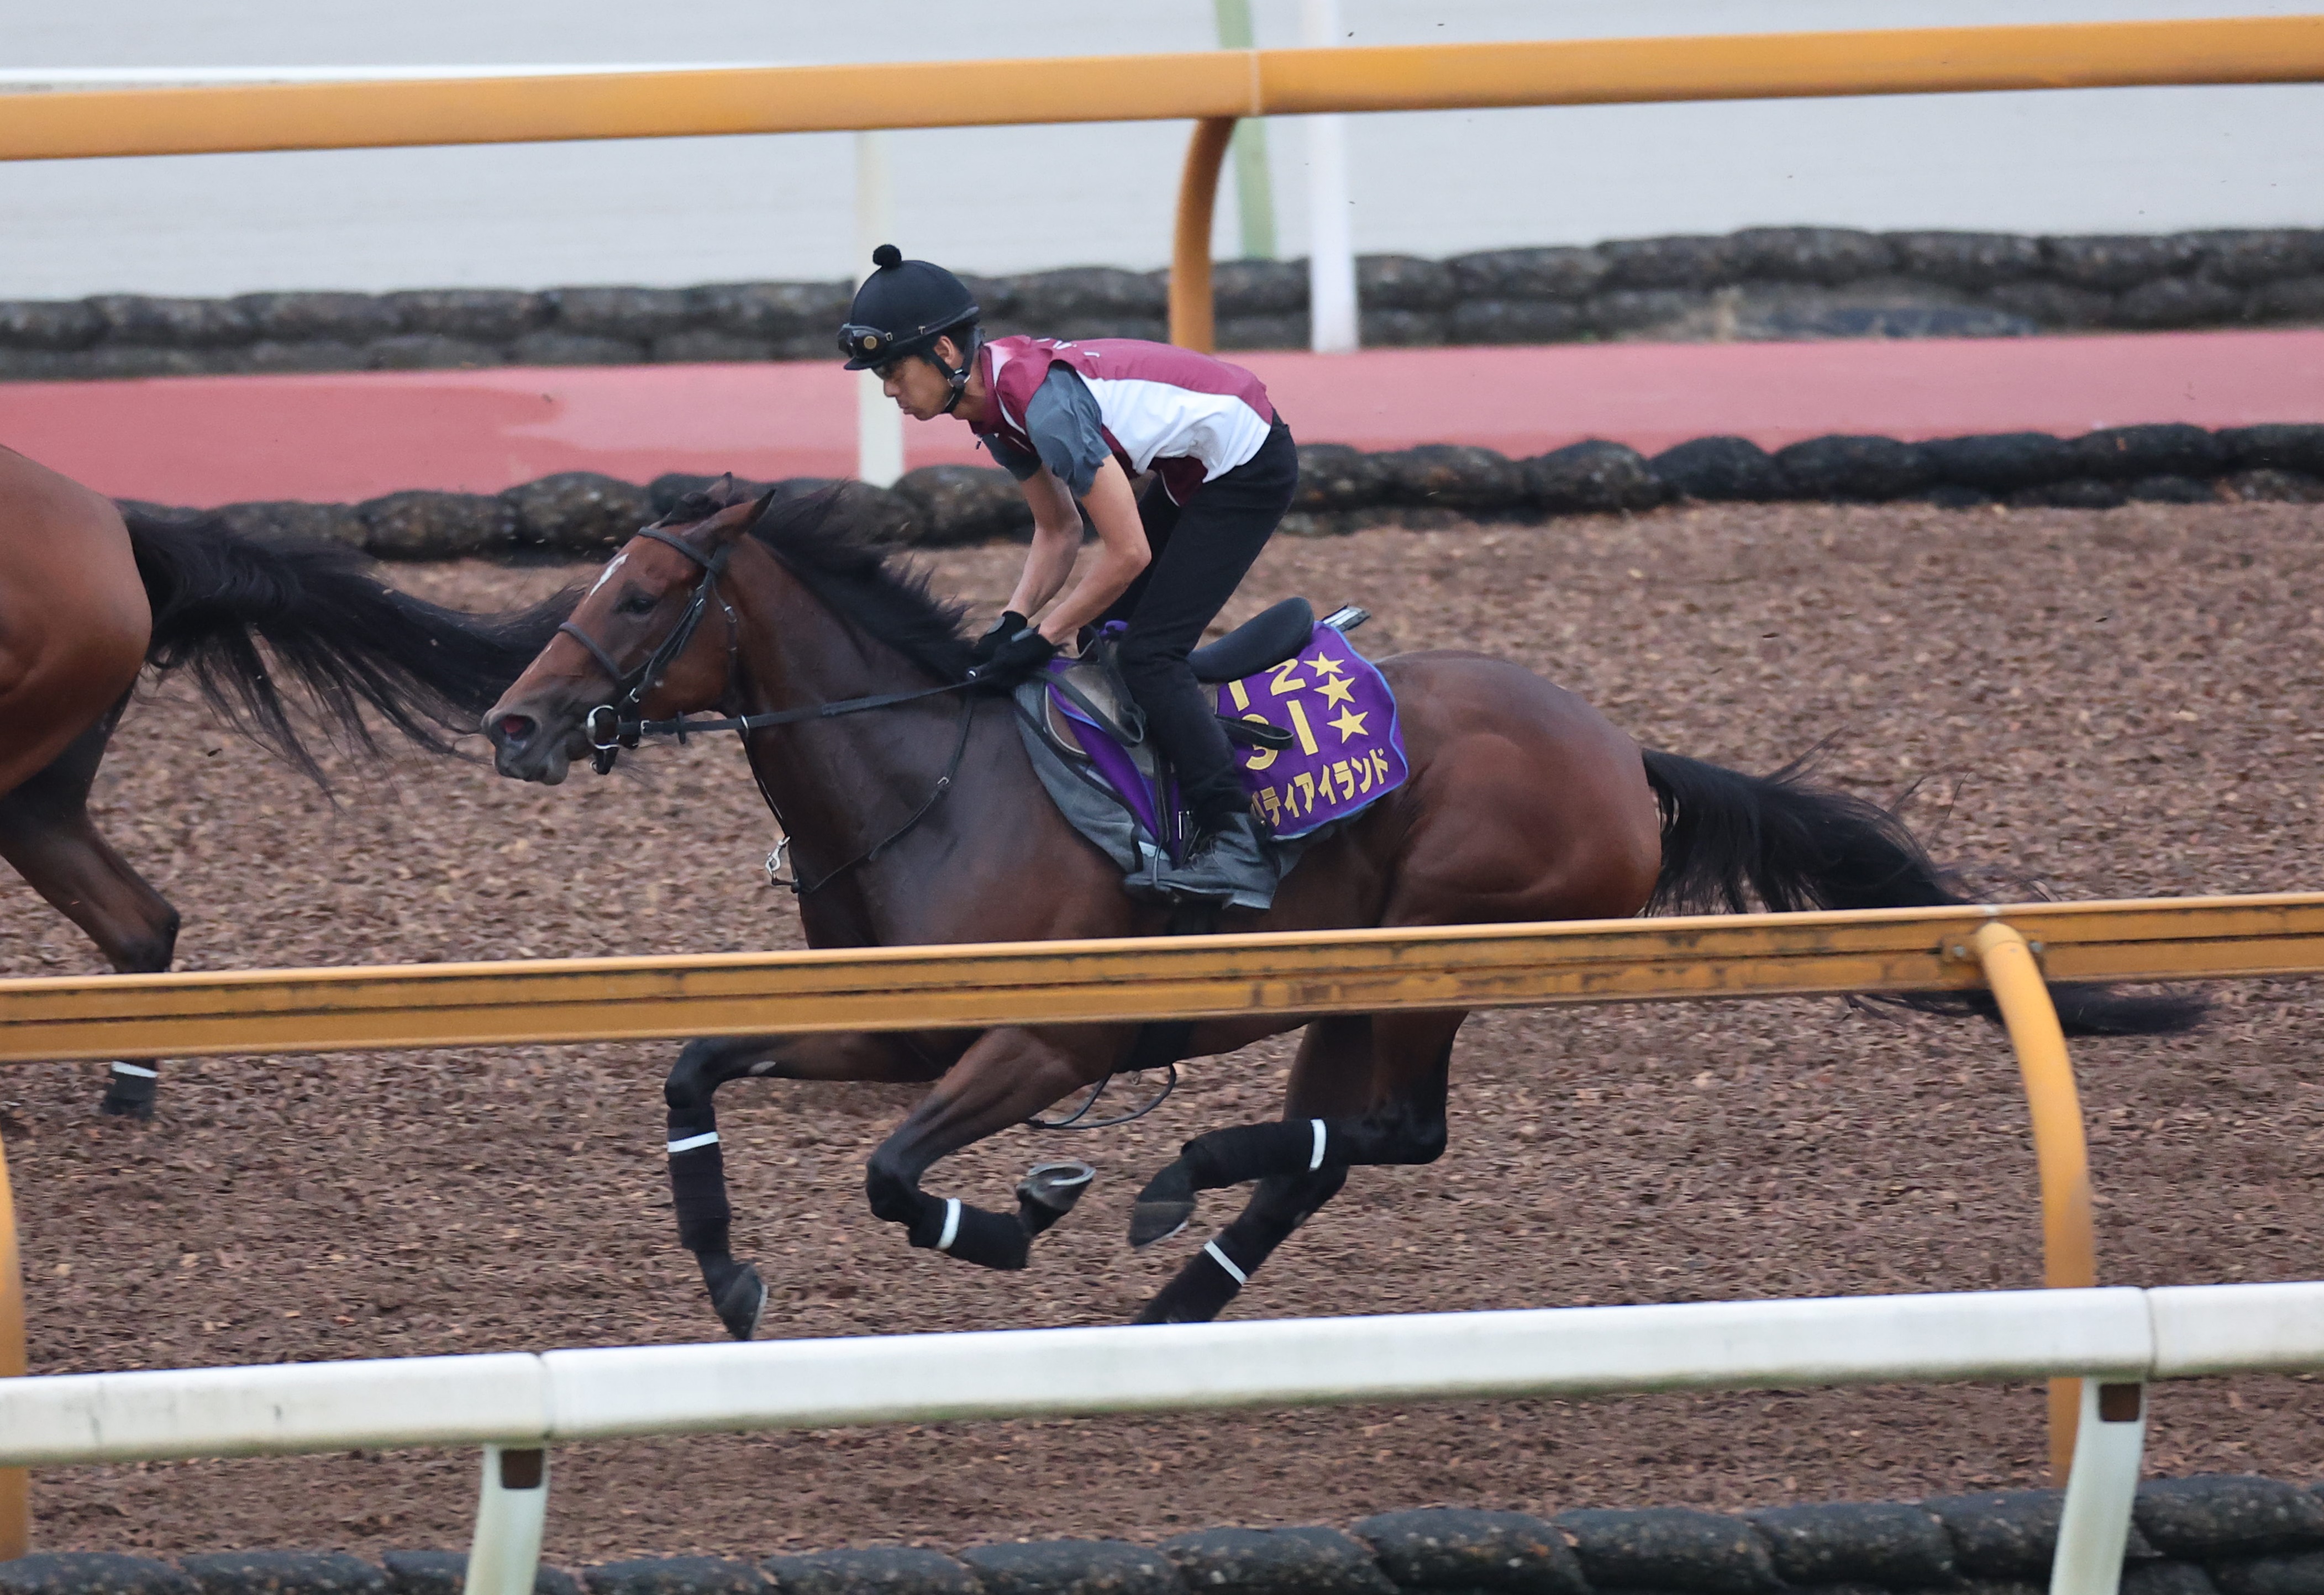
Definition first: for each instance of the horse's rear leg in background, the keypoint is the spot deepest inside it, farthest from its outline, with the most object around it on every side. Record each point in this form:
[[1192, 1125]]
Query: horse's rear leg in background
[[45, 831], [1367, 1089], [697, 1167]]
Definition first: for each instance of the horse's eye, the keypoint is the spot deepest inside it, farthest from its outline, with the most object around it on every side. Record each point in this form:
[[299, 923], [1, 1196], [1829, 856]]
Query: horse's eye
[[637, 604]]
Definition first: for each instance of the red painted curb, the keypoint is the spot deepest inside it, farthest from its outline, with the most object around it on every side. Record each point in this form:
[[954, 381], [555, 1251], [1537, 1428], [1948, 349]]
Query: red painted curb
[[342, 437]]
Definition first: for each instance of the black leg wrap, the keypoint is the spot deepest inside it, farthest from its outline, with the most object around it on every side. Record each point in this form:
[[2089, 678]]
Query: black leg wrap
[[1213, 1276], [129, 1091], [1220, 1157], [989, 1240], [1201, 1290], [698, 1181]]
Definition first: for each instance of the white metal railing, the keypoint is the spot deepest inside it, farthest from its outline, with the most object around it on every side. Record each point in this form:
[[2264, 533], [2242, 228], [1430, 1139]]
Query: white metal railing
[[515, 1405]]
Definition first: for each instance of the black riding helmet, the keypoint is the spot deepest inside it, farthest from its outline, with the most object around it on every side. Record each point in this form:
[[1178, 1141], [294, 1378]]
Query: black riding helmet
[[901, 309]]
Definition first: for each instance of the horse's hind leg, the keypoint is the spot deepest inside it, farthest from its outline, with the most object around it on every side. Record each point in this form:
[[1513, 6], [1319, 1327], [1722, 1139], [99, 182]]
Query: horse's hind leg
[[46, 833], [1410, 1057], [1331, 1074], [1213, 1277], [698, 1167]]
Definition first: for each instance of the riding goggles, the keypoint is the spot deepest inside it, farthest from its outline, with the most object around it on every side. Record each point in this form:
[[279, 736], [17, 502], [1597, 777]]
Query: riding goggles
[[866, 346]]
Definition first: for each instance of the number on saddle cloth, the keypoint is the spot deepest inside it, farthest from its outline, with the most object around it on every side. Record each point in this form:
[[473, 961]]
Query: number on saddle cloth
[[1313, 723]]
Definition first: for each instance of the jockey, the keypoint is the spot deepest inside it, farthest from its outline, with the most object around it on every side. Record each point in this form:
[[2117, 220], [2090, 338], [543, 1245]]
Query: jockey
[[1074, 421]]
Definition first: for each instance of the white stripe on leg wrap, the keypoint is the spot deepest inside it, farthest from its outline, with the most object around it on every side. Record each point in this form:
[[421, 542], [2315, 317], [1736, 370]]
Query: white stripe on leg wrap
[[1315, 1159], [1219, 1257], [139, 1070], [708, 1138], [951, 1224]]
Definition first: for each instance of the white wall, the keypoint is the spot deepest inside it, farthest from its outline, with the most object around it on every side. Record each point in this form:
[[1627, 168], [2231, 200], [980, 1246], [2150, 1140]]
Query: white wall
[[678, 211]]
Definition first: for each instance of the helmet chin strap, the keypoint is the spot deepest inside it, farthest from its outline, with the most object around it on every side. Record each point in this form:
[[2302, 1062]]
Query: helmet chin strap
[[957, 380]]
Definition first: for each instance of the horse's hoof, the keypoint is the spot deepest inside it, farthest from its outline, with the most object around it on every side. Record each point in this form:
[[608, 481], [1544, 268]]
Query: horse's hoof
[[1151, 1221], [741, 1301], [1164, 1207], [129, 1092], [1048, 1190]]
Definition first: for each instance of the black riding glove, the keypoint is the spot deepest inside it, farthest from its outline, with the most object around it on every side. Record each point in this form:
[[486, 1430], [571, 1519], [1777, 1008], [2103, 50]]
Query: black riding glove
[[1003, 629], [1020, 657]]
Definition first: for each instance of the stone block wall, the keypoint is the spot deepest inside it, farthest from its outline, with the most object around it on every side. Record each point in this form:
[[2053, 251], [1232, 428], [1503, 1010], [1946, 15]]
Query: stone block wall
[[1765, 283], [2208, 1535], [1342, 488]]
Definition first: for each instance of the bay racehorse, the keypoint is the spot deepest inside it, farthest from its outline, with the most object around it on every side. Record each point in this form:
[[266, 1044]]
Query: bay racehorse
[[91, 596], [922, 821]]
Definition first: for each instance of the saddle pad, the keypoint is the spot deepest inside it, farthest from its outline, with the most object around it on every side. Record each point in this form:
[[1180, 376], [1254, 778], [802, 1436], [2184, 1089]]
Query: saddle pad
[[1347, 752]]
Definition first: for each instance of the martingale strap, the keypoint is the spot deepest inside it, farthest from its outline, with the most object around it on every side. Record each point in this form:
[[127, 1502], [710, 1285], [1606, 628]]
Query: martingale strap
[[802, 888]]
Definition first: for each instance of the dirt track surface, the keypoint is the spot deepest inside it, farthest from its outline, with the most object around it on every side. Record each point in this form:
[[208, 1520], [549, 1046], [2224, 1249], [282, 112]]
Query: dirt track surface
[[2122, 701]]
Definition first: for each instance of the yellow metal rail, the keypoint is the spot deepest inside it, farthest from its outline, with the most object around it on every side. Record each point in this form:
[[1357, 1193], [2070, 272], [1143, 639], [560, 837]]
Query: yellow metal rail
[[1133, 89], [2061, 1152], [1164, 977], [1214, 87], [1765, 66], [1063, 983]]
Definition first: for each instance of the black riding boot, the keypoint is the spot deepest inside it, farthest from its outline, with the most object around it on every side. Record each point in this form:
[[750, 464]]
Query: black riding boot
[[1229, 863]]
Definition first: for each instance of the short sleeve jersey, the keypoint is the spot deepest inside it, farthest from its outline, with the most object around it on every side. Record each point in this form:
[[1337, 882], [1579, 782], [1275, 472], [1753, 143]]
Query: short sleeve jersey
[[1184, 416]]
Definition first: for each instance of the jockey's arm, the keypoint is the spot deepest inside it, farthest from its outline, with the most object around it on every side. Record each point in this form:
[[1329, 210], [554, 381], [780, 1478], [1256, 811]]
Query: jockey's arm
[[1056, 541], [1122, 553]]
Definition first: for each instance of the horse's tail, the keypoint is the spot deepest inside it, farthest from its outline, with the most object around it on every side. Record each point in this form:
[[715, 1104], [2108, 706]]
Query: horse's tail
[[1734, 841], [349, 639]]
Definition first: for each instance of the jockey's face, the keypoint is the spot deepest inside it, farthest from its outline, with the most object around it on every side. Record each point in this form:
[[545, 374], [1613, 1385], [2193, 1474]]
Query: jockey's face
[[917, 387]]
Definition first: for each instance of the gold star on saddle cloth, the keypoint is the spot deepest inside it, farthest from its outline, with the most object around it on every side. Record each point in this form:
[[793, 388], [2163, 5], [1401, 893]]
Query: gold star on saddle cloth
[[1347, 752]]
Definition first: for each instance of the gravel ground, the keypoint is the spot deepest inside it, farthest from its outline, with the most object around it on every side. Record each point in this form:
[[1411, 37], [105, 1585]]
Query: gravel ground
[[2098, 704]]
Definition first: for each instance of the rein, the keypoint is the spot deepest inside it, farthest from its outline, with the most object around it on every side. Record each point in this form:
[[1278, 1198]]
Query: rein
[[686, 725], [613, 726]]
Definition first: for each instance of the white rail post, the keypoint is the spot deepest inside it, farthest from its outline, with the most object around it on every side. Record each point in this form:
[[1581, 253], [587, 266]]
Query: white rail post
[[511, 1510], [1331, 234], [878, 424], [1254, 183], [2095, 1524]]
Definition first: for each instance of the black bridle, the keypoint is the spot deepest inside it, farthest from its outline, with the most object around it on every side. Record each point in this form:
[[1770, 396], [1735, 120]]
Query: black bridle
[[616, 723]]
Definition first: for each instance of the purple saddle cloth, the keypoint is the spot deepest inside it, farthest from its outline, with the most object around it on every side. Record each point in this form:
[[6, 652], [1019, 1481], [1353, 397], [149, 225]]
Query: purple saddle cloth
[[1346, 751]]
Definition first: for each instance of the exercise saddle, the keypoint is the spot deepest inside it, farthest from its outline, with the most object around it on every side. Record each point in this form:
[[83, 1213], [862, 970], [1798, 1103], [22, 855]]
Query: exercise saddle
[[1313, 723]]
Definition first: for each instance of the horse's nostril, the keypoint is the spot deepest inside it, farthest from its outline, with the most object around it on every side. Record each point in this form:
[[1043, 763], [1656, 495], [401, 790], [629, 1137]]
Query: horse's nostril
[[516, 729]]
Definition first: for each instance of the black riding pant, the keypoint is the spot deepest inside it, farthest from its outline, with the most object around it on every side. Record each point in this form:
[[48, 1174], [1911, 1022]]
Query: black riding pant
[[1202, 551]]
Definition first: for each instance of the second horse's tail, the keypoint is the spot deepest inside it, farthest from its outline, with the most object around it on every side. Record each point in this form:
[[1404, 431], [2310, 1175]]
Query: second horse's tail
[[349, 639], [1733, 842]]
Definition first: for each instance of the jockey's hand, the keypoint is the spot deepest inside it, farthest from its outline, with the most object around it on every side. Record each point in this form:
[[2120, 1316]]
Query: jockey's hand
[[1015, 660], [1003, 629]]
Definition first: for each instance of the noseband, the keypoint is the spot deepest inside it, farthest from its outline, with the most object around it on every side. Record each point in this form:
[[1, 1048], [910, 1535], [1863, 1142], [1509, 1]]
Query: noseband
[[616, 723]]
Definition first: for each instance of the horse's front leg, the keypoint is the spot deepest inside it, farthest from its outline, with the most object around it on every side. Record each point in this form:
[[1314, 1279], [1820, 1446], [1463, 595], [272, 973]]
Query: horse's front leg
[[1003, 1079], [697, 1168]]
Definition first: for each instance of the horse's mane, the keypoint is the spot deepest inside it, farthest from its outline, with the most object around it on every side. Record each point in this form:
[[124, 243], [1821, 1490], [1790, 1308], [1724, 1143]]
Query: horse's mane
[[836, 551]]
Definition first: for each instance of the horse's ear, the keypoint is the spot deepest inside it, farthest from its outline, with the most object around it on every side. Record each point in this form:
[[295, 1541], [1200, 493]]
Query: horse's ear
[[721, 492], [736, 519]]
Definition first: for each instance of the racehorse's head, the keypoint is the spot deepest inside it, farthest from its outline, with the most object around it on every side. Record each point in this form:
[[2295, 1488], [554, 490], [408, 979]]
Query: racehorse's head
[[651, 637]]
